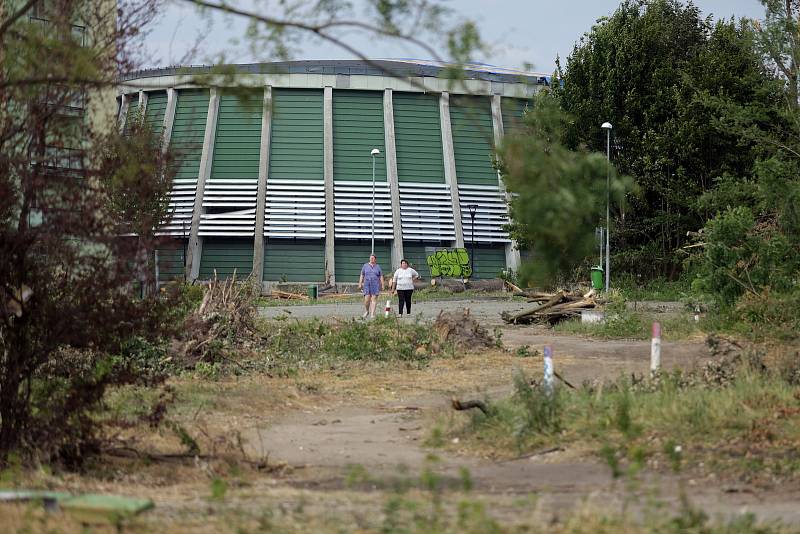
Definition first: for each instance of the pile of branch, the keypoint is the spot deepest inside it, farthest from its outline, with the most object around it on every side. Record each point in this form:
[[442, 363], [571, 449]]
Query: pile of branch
[[552, 308], [225, 319], [462, 330]]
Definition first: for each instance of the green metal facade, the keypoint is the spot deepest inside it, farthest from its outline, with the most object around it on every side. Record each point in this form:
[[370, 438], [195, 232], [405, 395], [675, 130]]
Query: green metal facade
[[300, 260], [473, 134], [170, 261], [512, 110], [226, 255], [414, 253], [133, 114], [418, 138], [296, 153], [154, 112], [352, 255], [296, 145], [357, 129], [188, 131], [238, 136], [488, 261]]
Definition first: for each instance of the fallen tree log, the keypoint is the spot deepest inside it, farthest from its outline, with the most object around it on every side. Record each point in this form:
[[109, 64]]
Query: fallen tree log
[[560, 306], [467, 405]]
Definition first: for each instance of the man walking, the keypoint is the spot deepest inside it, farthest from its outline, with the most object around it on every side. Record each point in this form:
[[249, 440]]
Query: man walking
[[371, 282]]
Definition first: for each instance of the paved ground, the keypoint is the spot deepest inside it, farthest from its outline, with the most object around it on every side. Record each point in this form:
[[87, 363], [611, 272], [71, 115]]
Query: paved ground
[[486, 311]]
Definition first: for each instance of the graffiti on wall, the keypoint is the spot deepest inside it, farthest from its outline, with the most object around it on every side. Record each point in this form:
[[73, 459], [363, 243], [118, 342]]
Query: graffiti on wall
[[449, 263]]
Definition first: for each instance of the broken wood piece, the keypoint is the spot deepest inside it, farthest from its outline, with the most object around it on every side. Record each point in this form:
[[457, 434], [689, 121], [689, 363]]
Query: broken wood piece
[[514, 288], [277, 293], [467, 405], [563, 380]]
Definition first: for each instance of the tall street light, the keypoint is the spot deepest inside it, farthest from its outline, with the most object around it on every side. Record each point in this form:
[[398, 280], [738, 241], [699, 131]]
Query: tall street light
[[374, 153], [607, 127], [472, 209]]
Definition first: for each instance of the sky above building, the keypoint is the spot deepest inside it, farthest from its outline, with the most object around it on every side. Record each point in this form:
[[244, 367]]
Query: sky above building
[[519, 33]]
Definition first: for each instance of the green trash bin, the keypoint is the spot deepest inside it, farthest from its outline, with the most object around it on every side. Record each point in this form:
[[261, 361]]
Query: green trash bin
[[597, 277], [312, 292]]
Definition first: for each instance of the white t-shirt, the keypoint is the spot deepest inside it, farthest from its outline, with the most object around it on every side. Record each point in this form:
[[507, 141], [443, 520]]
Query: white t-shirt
[[404, 278]]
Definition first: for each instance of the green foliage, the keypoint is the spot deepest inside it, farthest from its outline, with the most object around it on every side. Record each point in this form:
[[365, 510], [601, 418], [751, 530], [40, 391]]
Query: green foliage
[[742, 256], [560, 193], [662, 75], [728, 407], [290, 345], [219, 488], [541, 409]]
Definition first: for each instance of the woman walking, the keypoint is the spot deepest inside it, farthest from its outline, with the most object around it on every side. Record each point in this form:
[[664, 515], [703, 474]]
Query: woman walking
[[369, 281], [403, 283]]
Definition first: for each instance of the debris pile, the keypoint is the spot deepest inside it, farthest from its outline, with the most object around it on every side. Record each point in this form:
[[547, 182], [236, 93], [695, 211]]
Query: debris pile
[[552, 308], [460, 329], [225, 319]]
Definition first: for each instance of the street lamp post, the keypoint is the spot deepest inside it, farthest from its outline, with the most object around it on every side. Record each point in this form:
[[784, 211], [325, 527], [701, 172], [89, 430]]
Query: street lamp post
[[374, 153], [472, 209], [607, 127]]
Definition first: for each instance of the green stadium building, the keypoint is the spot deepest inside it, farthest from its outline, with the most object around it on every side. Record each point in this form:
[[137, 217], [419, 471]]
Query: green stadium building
[[275, 166]]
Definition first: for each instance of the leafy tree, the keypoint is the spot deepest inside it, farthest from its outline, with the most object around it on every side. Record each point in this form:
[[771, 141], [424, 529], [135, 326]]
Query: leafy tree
[[749, 262], [558, 193], [66, 308], [658, 71]]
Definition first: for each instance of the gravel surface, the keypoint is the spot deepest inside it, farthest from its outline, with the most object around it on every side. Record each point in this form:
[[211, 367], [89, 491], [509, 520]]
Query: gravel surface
[[487, 312]]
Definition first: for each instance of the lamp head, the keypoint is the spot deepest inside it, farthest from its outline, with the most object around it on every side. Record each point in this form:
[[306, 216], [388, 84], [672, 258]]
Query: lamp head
[[472, 209], [606, 126], [375, 152]]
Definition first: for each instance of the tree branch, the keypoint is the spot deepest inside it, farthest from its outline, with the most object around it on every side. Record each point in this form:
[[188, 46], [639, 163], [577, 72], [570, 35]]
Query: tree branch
[[16, 16], [320, 31]]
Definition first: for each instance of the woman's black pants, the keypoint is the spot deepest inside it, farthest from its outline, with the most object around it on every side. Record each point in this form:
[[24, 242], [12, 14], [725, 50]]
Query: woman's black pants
[[405, 298]]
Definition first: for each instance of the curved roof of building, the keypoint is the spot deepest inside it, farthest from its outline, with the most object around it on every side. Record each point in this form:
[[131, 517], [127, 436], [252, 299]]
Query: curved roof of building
[[400, 68]]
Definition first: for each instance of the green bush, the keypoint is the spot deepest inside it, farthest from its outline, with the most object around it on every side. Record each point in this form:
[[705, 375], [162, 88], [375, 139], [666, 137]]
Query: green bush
[[288, 345]]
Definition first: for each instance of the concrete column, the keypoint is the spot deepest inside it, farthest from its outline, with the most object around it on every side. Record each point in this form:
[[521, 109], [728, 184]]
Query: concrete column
[[263, 170], [142, 103], [327, 126], [391, 176], [512, 252], [123, 112], [169, 118], [195, 248], [450, 165]]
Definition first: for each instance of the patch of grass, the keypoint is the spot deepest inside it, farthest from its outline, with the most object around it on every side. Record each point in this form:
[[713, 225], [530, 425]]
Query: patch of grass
[[632, 325], [658, 289], [290, 345], [676, 419]]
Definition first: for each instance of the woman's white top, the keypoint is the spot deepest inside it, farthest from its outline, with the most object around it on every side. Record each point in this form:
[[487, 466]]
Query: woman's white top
[[404, 278]]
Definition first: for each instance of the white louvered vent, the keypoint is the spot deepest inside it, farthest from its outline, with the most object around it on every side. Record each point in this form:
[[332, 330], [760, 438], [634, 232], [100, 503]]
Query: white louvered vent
[[295, 209], [353, 210], [181, 205], [426, 211], [491, 215], [229, 208]]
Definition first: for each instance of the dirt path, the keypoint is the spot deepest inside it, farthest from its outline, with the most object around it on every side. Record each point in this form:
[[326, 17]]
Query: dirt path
[[385, 438]]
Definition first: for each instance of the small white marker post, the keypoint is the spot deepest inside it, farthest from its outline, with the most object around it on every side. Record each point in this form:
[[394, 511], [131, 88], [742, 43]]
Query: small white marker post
[[655, 349], [548, 368], [387, 308]]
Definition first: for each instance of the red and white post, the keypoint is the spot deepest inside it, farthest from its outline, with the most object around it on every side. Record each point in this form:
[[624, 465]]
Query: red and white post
[[655, 349], [387, 308]]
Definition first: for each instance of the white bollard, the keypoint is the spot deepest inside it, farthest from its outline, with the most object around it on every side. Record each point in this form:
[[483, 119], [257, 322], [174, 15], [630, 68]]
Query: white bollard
[[387, 308], [655, 349], [548, 368]]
